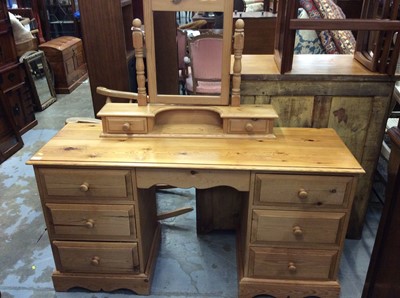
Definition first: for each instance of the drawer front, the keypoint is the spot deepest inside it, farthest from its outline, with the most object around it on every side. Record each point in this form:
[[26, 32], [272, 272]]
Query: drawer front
[[285, 263], [86, 184], [92, 221], [296, 227], [96, 257], [125, 125], [186, 178], [10, 78], [302, 190], [247, 125]]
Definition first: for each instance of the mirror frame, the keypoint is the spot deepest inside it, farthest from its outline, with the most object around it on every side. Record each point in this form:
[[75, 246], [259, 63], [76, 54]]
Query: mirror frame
[[225, 6], [33, 56]]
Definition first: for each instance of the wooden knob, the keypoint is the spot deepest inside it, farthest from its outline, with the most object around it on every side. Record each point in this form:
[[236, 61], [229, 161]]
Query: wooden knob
[[302, 194], [249, 127], [292, 267], [84, 187], [297, 231], [95, 261], [126, 126], [89, 223]]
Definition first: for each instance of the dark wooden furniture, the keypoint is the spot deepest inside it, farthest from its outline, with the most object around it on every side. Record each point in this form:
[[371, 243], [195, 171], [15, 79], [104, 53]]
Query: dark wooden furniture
[[11, 84], [15, 93], [67, 60], [259, 31], [108, 45], [10, 138], [384, 268]]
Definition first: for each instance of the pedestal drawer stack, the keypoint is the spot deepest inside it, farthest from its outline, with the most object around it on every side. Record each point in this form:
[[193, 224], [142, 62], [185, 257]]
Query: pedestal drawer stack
[[296, 233], [92, 219]]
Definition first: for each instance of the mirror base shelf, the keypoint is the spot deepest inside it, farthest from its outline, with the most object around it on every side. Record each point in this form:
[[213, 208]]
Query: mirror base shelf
[[132, 120]]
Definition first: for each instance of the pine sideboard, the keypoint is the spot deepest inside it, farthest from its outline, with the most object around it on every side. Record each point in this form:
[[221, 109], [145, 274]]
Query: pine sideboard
[[295, 191]]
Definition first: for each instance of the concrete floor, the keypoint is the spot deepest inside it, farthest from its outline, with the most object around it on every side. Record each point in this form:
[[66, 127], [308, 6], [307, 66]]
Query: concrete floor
[[188, 265]]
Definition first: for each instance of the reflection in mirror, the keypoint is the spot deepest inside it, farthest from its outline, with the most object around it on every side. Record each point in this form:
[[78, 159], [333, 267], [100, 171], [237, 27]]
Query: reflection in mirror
[[167, 23], [190, 63], [40, 79]]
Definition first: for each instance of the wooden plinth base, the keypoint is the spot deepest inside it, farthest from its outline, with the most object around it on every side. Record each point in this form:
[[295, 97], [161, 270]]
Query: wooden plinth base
[[72, 87], [137, 283], [251, 287]]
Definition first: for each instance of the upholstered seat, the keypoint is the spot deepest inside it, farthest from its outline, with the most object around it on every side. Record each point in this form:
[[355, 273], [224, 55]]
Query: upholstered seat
[[205, 64]]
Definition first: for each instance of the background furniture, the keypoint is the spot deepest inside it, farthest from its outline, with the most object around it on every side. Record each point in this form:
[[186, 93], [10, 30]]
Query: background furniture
[[290, 237], [340, 94], [382, 277], [15, 92], [10, 138], [108, 45], [67, 60], [259, 31]]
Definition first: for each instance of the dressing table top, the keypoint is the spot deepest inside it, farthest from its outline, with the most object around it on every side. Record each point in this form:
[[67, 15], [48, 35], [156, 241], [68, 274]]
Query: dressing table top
[[293, 149]]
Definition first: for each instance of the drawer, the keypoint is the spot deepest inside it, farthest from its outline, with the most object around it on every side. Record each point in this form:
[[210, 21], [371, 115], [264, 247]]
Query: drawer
[[287, 263], [247, 125], [96, 257], [10, 78], [186, 178], [83, 221], [296, 227], [302, 190], [58, 184], [125, 125]]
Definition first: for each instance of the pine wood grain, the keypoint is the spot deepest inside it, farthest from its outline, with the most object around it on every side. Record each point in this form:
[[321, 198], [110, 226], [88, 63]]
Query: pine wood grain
[[294, 149]]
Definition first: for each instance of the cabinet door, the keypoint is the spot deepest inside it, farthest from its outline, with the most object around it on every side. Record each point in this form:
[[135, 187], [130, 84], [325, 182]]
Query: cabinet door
[[20, 105], [10, 139]]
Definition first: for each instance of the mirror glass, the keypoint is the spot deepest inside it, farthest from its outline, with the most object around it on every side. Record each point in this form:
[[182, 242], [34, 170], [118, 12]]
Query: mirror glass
[[40, 79], [176, 32]]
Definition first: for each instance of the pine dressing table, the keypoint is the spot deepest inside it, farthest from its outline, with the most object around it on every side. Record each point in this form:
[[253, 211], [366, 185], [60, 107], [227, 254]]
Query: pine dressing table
[[293, 187]]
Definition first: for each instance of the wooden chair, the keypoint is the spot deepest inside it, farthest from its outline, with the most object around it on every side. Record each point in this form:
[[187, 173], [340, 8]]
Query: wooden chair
[[205, 52]]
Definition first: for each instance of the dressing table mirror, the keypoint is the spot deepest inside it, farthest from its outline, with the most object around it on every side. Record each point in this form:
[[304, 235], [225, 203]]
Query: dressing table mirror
[[169, 111], [163, 10]]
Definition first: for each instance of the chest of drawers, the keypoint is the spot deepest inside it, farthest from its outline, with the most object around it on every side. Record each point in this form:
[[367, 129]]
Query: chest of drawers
[[98, 198]]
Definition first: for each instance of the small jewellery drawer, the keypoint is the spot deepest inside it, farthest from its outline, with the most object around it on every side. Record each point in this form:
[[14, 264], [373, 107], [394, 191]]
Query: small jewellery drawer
[[10, 78], [123, 125], [81, 221], [96, 257], [288, 263], [247, 125], [86, 184], [296, 227], [302, 190]]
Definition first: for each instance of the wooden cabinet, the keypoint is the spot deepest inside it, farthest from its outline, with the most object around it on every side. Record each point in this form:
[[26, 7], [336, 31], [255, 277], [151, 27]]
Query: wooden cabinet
[[16, 108], [10, 138], [108, 46], [67, 60], [295, 194], [383, 271]]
